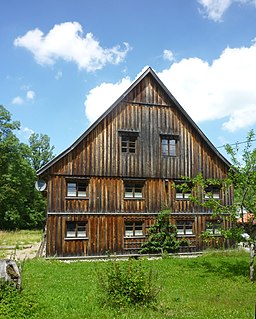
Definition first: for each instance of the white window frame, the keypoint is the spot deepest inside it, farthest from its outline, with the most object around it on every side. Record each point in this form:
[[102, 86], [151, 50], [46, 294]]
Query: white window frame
[[133, 190], [133, 229], [76, 229], [183, 228]]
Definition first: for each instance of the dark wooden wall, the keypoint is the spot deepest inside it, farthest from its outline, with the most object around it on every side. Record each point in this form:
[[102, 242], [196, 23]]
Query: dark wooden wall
[[149, 112], [106, 234]]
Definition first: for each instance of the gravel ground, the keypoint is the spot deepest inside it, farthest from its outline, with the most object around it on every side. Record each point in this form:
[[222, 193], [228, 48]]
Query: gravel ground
[[27, 252]]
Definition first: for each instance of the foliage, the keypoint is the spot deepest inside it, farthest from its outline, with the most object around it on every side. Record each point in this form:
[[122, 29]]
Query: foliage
[[162, 236], [13, 303], [126, 283], [241, 177], [21, 206], [41, 150]]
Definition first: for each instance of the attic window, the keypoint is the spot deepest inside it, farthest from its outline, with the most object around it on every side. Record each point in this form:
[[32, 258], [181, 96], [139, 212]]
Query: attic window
[[169, 145], [129, 142]]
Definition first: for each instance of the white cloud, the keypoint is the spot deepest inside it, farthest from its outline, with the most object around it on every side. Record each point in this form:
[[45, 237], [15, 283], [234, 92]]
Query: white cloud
[[168, 55], [17, 100], [31, 95], [103, 96], [215, 9], [223, 90], [66, 41]]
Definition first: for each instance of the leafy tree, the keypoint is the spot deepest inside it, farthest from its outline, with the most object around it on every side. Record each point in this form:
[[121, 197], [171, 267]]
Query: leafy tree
[[21, 206], [241, 178], [162, 236], [41, 150]]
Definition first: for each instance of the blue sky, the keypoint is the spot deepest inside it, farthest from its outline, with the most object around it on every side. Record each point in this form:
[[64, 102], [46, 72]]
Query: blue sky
[[63, 62]]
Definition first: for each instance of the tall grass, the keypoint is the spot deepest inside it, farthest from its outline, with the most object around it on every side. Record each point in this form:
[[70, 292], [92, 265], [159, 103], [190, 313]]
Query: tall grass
[[20, 237], [215, 285]]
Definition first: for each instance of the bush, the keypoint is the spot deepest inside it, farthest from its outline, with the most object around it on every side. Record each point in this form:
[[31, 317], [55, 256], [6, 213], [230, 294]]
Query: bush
[[162, 236], [13, 304], [128, 282]]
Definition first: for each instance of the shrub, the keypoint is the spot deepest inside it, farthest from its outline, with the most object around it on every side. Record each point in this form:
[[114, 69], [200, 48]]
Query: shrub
[[13, 304], [162, 236], [129, 282]]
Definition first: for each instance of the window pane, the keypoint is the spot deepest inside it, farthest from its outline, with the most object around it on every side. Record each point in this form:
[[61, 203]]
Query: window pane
[[71, 189], [138, 191], [132, 147], [81, 190], [180, 228], [138, 229], [128, 191], [179, 194], [209, 227], [187, 194], [189, 228], [128, 229], [71, 229], [164, 147], [172, 147], [81, 229]]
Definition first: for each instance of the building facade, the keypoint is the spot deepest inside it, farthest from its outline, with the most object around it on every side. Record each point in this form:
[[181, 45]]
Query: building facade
[[108, 187]]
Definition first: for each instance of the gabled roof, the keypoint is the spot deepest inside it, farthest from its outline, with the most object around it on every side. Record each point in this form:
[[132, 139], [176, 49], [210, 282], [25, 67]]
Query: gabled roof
[[168, 93]]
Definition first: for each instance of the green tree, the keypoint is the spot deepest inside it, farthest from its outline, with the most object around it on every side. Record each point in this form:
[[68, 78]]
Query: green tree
[[241, 178], [21, 206], [41, 150], [162, 236]]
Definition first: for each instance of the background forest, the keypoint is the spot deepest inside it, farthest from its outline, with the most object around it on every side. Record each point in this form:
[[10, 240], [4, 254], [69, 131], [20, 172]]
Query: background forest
[[21, 205]]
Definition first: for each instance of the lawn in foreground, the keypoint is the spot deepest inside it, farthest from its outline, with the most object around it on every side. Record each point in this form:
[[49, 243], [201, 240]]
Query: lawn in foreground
[[215, 285]]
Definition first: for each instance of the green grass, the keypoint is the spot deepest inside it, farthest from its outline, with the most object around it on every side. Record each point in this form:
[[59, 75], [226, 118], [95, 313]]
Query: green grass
[[20, 237], [215, 285]]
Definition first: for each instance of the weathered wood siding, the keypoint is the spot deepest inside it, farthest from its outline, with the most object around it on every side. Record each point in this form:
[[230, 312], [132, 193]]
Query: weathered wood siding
[[106, 195], [150, 113], [106, 234]]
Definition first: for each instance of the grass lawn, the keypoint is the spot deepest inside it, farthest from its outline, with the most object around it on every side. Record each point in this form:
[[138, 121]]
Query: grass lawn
[[20, 237], [214, 285]]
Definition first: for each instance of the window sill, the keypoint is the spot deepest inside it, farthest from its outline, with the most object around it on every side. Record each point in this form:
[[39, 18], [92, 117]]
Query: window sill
[[134, 237], [76, 197], [75, 238], [186, 235], [134, 198]]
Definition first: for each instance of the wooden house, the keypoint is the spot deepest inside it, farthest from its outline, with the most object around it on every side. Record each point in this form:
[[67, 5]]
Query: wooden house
[[108, 187]]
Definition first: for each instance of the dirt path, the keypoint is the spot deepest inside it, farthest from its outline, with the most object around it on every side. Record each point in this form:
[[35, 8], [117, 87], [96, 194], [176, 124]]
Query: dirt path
[[27, 252]]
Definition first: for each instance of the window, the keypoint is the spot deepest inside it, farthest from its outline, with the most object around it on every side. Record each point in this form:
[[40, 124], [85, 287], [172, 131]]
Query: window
[[184, 227], [182, 193], [76, 229], [133, 229], [129, 143], [212, 192], [213, 227], [77, 189], [169, 145], [133, 190]]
